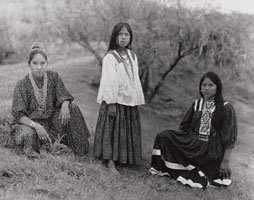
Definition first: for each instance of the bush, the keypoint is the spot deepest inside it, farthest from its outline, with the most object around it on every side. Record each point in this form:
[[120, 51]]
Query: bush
[[5, 45]]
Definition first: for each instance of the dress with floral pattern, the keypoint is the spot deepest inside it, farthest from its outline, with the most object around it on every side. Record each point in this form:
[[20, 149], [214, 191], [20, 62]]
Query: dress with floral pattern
[[75, 133]]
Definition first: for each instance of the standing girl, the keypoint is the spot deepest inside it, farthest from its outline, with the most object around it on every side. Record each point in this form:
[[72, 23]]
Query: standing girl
[[118, 130]]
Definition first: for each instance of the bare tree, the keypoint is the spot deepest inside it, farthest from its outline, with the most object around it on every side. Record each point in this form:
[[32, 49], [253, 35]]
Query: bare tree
[[164, 35]]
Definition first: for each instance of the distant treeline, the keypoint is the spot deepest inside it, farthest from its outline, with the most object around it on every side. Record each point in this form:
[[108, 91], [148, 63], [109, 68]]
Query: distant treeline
[[164, 34]]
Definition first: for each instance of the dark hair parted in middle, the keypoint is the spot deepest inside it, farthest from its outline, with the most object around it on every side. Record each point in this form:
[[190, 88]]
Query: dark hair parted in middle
[[219, 100], [37, 48], [115, 32]]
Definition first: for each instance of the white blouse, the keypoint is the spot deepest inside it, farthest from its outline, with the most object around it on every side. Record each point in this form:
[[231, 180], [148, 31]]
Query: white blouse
[[119, 83]]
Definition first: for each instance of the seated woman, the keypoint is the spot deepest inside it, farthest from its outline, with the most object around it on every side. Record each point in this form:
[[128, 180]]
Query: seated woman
[[43, 110], [198, 154]]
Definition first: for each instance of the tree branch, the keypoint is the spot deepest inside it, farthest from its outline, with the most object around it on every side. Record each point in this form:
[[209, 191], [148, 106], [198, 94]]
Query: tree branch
[[172, 66], [82, 40], [188, 52]]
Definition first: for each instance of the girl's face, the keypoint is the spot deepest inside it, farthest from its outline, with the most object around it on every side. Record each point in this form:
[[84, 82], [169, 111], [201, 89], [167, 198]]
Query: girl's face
[[38, 65], [123, 38], [208, 89]]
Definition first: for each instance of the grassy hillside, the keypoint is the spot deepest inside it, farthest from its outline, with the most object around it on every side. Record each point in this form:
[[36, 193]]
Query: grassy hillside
[[65, 177]]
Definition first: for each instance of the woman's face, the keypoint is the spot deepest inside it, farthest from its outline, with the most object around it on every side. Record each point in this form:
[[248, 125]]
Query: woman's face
[[38, 65], [123, 38], [208, 89]]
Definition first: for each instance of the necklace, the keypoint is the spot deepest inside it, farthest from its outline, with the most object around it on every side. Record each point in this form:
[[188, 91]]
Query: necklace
[[40, 94], [206, 118], [209, 104], [122, 53], [128, 66]]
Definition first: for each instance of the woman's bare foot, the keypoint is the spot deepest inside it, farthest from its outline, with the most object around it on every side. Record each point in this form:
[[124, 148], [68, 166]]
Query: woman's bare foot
[[112, 167]]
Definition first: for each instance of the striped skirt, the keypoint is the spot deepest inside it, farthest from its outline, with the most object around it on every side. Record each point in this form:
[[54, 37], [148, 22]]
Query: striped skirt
[[169, 159], [118, 138]]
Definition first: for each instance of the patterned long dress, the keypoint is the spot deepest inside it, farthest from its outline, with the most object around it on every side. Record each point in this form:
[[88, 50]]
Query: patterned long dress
[[75, 134], [192, 155]]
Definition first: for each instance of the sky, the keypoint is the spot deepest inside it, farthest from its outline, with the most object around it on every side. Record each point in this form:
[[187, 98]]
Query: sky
[[245, 6]]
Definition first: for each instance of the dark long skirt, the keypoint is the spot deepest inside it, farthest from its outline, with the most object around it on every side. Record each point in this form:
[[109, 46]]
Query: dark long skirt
[[119, 138], [194, 163], [75, 134]]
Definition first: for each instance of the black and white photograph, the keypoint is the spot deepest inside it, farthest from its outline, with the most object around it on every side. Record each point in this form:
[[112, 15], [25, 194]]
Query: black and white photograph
[[126, 99]]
